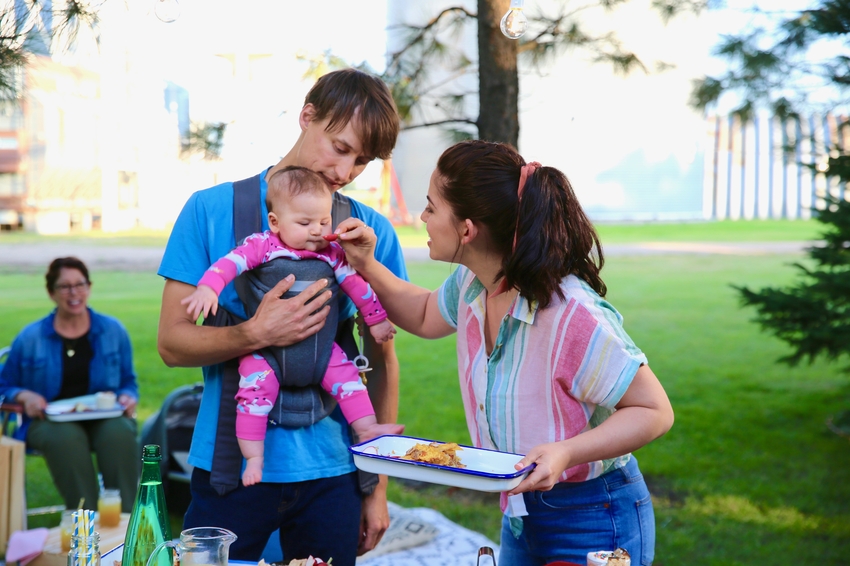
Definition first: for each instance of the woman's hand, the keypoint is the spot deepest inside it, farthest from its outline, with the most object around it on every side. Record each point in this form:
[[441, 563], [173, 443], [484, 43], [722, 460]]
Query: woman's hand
[[358, 240], [129, 403], [33, 403], [551, 459]]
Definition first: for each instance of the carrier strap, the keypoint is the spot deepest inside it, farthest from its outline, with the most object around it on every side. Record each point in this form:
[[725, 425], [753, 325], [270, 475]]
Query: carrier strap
[[227, 458]]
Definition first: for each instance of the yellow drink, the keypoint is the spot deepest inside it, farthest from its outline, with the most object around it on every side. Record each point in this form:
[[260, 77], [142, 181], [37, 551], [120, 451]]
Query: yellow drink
[[109, 507], [65, 539], [66, 529]]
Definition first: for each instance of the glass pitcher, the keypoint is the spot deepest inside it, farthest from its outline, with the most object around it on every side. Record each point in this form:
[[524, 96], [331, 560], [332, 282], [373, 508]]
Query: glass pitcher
[[200, 546]]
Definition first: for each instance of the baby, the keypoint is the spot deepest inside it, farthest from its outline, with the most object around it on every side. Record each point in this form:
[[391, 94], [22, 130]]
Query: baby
[[299, 203]]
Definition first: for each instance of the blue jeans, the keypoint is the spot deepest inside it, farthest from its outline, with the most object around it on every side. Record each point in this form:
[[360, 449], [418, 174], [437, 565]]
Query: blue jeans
[[317, 517], [609, 512]]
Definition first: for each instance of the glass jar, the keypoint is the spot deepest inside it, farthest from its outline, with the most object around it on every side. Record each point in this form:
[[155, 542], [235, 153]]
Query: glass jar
[[85, 550]]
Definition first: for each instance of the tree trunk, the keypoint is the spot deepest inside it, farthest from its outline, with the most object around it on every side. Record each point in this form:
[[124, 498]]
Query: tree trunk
[[498, 92]]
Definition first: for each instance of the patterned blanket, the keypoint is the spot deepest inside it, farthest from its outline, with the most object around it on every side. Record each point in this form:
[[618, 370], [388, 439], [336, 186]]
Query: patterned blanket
[[424, 537]]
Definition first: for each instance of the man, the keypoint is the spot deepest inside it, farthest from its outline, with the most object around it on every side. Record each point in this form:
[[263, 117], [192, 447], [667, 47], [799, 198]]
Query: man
[[310, 488]]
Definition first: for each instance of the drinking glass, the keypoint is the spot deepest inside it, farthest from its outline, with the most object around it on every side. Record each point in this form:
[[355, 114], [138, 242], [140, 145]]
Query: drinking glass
[[109, 507], [66, 529]]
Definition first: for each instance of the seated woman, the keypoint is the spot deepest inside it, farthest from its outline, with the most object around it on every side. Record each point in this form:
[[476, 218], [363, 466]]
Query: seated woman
[[76, 351]]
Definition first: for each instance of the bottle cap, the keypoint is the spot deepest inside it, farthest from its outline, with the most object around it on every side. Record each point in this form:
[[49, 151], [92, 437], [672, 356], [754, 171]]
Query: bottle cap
[[152, 452]]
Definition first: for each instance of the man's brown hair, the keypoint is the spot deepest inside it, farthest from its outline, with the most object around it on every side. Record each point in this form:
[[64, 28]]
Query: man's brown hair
[[340, 95], [295, 180]]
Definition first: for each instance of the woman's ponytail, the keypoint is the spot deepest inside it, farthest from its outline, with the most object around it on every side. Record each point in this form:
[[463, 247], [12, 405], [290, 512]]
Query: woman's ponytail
[[554, 238], [541, 231]]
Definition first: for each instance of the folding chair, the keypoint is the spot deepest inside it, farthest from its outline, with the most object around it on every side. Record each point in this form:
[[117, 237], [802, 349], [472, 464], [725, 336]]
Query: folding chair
[[11, 419], [11, 414], [171, 427]]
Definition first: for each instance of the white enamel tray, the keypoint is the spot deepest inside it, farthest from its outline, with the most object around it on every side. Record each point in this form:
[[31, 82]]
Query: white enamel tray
[[63, 411], [486, 470]]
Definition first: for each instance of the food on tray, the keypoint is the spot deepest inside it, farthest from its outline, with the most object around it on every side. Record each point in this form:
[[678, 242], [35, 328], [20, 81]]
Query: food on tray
[[620, 557], [310, 561], [105, 400], [65, 409], [435, 453]]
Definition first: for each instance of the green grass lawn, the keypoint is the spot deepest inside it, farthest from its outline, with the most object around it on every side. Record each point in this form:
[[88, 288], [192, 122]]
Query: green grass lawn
[[723, 231], [748, 471], [415, 236]]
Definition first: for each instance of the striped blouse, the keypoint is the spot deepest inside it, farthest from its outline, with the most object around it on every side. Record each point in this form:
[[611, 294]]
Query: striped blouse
[[553, 372]]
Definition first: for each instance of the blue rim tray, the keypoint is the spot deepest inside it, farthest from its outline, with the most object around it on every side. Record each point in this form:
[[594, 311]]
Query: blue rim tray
[[486, 470]]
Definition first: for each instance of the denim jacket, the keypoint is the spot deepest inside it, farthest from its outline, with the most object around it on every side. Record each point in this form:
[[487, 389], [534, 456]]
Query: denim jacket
[[35, 361]]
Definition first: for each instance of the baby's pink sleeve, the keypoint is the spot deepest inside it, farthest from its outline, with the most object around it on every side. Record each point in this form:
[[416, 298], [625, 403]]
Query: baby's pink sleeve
[[358, 290]]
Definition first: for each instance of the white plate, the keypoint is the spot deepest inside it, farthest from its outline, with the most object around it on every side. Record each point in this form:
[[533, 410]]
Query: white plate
[[63, 410], [112, 555], [486, 470]]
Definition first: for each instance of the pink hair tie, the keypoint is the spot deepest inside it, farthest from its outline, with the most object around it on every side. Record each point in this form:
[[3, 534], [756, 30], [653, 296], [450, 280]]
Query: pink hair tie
[[527, 170]]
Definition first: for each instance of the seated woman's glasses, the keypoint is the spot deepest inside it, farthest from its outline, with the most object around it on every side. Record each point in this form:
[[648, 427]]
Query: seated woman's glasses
[[66, 288]]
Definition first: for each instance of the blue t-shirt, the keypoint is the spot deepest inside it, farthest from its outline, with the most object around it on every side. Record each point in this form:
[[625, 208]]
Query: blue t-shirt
[[202, 234]]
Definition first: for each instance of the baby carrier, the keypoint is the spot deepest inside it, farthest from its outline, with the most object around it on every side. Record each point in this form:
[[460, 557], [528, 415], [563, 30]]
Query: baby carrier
[[299, 367]]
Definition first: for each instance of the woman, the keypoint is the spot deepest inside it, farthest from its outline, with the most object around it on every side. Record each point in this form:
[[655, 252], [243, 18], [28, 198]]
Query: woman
[[76, 351], [545, 367]]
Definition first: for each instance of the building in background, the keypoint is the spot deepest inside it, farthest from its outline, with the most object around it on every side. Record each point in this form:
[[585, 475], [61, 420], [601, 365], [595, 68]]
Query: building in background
[[96, 142]]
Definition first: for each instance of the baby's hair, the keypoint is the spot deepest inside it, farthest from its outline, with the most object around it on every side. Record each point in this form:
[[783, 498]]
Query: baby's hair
[[295, 180]]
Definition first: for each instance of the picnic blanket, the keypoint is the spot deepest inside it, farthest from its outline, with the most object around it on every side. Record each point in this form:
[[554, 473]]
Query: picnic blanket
[[423, 537]]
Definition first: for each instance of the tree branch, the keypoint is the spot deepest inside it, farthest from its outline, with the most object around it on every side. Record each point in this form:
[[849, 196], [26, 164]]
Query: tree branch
[[423, 31], [441, 123]]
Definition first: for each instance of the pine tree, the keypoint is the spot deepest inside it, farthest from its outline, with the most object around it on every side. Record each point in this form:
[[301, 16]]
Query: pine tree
[[29, 27], [813, 315], [796, 62]]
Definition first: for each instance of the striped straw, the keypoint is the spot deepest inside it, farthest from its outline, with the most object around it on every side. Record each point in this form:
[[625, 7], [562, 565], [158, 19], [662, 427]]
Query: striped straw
[[90, 533], [84, 528]]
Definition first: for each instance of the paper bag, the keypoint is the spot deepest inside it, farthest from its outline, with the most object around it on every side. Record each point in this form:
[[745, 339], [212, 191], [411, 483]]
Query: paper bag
[[13, 509]]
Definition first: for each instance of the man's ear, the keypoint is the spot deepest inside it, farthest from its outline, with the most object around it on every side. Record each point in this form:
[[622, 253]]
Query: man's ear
[[468, 231], [307, 115]]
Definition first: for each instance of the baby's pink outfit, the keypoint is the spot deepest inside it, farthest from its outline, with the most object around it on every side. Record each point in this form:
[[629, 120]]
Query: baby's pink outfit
[[258, 385]]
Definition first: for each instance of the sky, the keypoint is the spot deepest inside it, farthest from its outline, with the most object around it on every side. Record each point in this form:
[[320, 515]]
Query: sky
[[353, 30]]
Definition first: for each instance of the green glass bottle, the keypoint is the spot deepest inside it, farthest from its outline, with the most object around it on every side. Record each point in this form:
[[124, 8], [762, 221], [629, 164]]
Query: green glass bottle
[[148, 524]]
